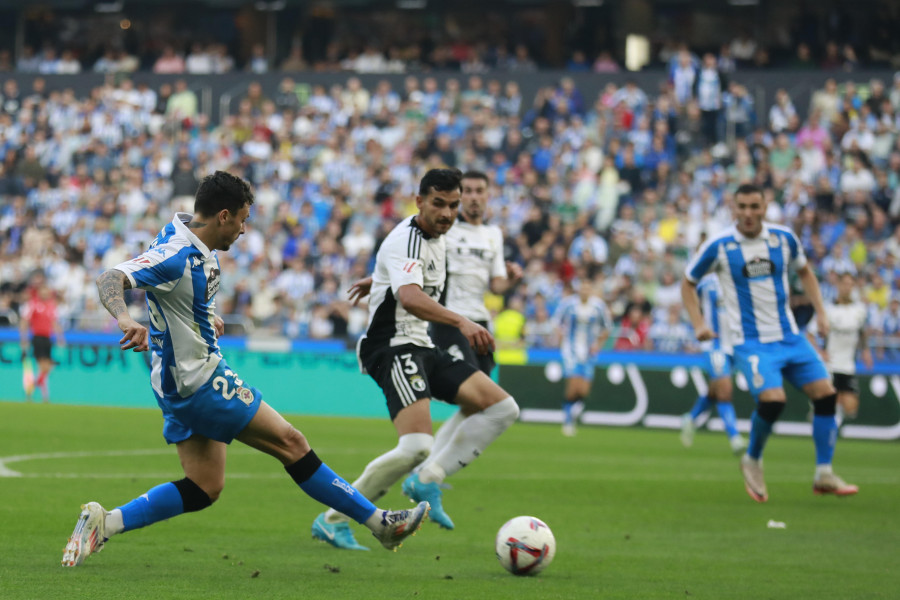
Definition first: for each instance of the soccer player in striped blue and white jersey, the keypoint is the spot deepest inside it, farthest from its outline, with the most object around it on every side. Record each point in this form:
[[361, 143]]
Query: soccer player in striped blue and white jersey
[[205, 404], [752, 259], [584, 322], [719, 361]]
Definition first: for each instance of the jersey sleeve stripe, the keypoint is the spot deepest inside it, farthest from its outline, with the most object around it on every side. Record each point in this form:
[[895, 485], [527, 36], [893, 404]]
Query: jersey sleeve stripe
[[414, 244]]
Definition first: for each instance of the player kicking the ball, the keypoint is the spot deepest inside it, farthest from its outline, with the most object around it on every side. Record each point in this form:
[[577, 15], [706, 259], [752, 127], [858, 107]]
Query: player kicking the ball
[[205, 404], [397, 352]]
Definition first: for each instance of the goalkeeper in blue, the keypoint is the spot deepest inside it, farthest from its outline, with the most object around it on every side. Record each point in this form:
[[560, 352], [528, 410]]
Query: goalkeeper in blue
[[205, 404], [718, 367]]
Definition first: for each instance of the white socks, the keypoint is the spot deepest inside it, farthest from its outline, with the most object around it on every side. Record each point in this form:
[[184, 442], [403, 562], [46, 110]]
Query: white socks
[[113, 523], [446, 431], [468, 440], [823, 470], [387, 469]]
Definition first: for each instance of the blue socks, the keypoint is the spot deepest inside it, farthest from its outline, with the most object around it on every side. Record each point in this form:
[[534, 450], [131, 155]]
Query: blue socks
[[728, 416], [764, 417], [824, 435], [567, 412], [160, 503], [700, 406], [759, 433], [322, 484]]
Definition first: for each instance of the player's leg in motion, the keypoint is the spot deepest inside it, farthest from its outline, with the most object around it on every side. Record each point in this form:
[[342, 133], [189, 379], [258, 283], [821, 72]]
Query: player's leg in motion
[[721, 389], [203, 461], [688, 419], [270, 433], [807, 371], [825, 430], [578, 386], [488, 410], [379, 475], [769, 406]]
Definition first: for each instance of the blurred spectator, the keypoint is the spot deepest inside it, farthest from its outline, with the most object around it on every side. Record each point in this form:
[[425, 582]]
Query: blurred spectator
[[605, 63], [258, 62], [169, 62]]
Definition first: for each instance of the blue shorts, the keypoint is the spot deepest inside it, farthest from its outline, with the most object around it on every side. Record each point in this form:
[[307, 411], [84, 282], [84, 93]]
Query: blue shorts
[[577, 368], [718, 364], [219, 410], [763, 365]]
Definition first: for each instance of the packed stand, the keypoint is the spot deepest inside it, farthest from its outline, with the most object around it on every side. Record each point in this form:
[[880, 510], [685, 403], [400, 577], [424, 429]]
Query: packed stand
[[618, 190]]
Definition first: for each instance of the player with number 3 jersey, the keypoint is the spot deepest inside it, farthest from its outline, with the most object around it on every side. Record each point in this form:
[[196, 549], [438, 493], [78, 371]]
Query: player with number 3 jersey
[[397, 352]]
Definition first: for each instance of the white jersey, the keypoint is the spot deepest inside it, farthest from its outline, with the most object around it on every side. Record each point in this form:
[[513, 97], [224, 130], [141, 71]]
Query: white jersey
[[181, 277], [474, 257], [846, 322], [408, 255], [753, 275]]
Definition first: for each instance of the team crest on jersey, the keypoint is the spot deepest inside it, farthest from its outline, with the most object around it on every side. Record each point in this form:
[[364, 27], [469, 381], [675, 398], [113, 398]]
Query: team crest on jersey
[[759, 267], [731, 246], [245, 396], [417, 383], [212, 284], [773, 241]]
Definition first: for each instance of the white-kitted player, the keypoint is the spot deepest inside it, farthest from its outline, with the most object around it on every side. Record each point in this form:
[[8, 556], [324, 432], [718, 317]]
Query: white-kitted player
[[846, 337]]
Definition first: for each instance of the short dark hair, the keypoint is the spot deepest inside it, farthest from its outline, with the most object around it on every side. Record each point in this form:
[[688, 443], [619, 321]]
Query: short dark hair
[[440, 180], [748, 188], [476, 175], [220, 191]]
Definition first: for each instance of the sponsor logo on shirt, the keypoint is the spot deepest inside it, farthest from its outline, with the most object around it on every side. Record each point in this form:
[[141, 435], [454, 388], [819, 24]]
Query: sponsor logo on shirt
[[759, 267], [212, 284]]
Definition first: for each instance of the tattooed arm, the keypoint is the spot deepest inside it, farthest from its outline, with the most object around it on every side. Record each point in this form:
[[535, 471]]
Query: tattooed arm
[[112, 285]]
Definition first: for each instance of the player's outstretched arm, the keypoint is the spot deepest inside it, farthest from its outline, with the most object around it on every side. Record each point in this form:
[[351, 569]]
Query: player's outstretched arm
[[112, 285], [418, 303]]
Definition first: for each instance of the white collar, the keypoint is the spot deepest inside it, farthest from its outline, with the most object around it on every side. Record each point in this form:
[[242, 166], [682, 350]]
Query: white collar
[[763, 234], [180, 222]]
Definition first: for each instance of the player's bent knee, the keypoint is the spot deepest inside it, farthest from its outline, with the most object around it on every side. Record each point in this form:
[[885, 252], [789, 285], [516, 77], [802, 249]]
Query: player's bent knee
[[195, 498], [769, 411], [295, 442], [825, 407], [506, 411]]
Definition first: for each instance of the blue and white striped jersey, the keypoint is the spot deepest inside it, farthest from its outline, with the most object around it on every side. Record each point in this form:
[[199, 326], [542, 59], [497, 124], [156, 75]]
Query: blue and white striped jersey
[[710, 305], [753, 276], [580, 324], [181, 277]]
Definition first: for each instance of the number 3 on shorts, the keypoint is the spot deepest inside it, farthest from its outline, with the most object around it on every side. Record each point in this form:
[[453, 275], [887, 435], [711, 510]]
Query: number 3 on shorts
[[409, 367]]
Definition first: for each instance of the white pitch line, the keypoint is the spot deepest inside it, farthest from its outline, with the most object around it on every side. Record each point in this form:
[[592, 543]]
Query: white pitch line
[[5, 471]]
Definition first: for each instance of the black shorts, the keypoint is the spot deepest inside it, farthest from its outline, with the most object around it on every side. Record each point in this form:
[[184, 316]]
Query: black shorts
[[845, 383], [41, 346], [452, 340], [409, 373]]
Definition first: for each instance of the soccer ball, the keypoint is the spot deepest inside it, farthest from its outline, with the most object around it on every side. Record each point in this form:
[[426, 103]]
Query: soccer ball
[[525, 546]]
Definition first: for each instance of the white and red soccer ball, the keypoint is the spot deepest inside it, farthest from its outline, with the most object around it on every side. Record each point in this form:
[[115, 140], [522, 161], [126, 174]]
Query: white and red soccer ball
[[525, 546]]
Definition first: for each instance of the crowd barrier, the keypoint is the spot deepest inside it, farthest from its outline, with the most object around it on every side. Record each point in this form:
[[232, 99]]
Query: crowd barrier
[[322, 378]]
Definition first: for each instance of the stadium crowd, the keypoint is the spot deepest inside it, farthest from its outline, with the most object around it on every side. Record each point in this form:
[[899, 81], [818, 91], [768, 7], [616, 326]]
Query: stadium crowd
[[619, 190]]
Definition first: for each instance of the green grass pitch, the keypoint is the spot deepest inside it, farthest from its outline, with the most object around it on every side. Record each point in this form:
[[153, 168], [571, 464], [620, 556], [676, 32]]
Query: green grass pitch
[[635, 515]]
